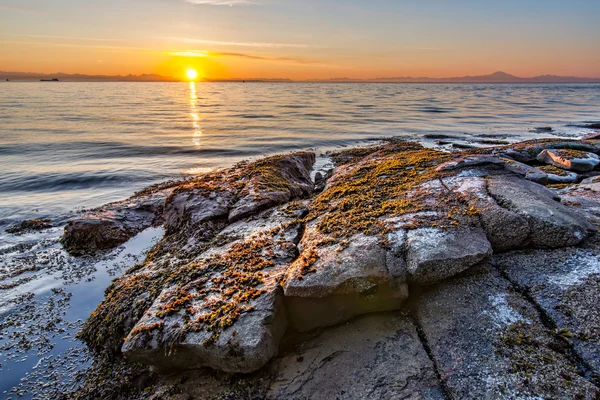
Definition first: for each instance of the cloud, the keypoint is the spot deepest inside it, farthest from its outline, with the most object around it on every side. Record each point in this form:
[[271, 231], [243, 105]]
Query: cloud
[[206, 53], [84, 46], [68, 38], [220, 2], [243, 44]]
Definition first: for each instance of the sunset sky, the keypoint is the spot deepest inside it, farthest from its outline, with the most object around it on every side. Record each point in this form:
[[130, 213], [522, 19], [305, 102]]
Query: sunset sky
[[301, 39]]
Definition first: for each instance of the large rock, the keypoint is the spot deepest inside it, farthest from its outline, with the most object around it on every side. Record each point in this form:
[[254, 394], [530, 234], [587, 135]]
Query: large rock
[[528, 172], [373, 357], [435, 254], [333, 282], [504, 229], [236, 267], [196, 204], [572, 160], [224, 311], [558, 176], [114, 224], [488, 343], [274, 181], [565, 283], [470, 162], [551, 223]]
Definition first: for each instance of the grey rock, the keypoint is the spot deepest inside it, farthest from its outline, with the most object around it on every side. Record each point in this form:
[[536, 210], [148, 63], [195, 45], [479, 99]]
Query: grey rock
[[522, 156], [576, 161], [244, 347], [113, 224], [373, 357], [569, 177], [591, 179], [565, 283], [528, 172], [551, 223], [435, 254], [345, 280], [504, 229], [536, 148], [592, 136], [469, 162], [287, 177], [488, 343], [226, 317], [585, 198], [194, 207]]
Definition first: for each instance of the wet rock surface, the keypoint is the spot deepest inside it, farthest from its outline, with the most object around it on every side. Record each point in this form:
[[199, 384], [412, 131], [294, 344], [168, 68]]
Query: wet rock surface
[[260, 253], [114, 224], [489, 342], [29, 226]]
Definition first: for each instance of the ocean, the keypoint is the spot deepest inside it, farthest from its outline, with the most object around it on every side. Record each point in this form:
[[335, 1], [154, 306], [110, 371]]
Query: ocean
[[65, 147]]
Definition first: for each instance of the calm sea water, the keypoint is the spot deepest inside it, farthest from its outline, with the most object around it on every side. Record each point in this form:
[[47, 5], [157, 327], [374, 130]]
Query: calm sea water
[[65, 146]]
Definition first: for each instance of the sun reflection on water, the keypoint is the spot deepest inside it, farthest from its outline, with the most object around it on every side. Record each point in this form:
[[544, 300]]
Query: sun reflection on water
[[195, 115]]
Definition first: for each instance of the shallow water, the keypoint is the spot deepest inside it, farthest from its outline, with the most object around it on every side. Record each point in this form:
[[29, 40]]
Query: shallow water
[[69, 146], [65, 146]]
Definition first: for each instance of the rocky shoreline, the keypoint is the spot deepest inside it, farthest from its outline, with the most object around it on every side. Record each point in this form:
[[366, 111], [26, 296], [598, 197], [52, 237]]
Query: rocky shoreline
[[403, 272]]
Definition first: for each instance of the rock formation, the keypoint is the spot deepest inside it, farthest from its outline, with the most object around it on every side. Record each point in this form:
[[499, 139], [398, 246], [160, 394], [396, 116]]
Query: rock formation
[[481, 278]]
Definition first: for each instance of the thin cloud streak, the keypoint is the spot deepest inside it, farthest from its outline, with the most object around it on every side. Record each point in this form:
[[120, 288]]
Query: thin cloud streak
[[188, 53], [114, 48], [244, 44], [205, 53], [221, 2], [67, 38]]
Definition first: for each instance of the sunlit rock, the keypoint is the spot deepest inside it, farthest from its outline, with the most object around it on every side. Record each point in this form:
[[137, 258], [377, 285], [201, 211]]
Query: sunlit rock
[[572, 160]]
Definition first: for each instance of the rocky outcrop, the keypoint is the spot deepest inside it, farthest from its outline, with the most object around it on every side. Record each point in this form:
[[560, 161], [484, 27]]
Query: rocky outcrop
[[225, 312], [114, 224], [252, 255], [29, 225], [240, 192], [551, 224], [572, 160]]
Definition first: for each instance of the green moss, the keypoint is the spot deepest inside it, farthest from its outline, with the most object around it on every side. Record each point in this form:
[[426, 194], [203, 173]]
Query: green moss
[[569, 154], [388, 185], [551, 169]]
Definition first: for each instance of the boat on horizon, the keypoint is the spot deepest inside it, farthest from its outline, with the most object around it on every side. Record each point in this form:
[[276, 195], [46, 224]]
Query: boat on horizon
[[50, 80]]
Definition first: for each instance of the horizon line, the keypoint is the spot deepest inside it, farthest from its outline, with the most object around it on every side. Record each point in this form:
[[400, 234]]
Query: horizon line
[[496, 77]]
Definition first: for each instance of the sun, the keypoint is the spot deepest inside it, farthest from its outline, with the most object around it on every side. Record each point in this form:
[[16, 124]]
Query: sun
[[191, 73]]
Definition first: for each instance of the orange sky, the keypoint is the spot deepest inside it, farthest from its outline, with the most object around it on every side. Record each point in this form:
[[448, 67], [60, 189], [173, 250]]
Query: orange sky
[[301, 40]]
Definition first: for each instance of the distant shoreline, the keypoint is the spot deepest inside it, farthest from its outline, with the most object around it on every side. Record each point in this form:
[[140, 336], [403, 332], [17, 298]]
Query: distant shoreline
[[319, 82], [497, 77]]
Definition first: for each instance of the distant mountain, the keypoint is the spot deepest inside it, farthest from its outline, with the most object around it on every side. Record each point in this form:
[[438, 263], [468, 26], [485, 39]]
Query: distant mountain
[[33, 76], [496, 77]]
